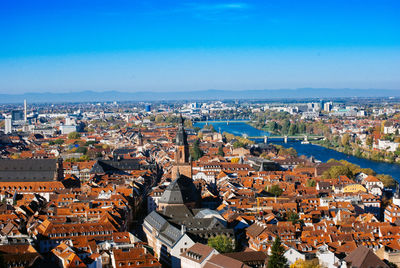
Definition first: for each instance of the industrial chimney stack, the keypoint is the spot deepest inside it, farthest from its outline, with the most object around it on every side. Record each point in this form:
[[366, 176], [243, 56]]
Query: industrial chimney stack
[[25, 112]]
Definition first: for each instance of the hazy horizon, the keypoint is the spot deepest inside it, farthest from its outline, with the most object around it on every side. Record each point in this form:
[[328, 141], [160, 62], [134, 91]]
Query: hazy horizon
[[135, 46]]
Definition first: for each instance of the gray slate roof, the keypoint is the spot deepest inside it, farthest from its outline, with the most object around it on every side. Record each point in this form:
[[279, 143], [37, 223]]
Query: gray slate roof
[[156, 220], [106, 166], [180, 191], [27, 170], [167, 233]]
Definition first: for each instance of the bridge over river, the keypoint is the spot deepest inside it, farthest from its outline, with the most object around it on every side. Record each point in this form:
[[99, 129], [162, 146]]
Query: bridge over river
[[285, 138], [223, 121], [253, 133]]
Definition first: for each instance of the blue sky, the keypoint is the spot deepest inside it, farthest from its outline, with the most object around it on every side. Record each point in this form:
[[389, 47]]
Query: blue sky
[[150, 45]]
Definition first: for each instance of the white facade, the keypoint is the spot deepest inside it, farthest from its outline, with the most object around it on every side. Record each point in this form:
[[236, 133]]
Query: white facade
[[292, 255], [66, 129], [326, 258], [389, 130], [328, 106], [387, 145], [8, 125], [210, 178], [180, 246], [188, 263]]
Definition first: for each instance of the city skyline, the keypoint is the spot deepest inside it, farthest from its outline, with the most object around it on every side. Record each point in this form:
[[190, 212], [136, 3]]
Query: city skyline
[[174, 46]]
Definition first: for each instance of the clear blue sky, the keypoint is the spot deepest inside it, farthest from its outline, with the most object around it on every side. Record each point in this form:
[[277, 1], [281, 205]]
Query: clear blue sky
[[132, 45]]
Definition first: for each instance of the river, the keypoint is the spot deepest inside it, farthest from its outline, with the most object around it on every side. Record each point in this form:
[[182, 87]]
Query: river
[[321, 153]]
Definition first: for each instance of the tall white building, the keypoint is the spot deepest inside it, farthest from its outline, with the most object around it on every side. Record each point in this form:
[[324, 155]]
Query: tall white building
[[327, 106], [8, 124]]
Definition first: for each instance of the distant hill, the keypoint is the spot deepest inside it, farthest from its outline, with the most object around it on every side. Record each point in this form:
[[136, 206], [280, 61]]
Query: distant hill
[[92, 96]]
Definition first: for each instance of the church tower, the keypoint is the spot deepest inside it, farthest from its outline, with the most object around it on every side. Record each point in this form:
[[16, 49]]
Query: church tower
[[182, 164], [139, 138]]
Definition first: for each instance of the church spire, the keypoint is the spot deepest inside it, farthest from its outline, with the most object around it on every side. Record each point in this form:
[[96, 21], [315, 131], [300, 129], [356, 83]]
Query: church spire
[[181, 137]]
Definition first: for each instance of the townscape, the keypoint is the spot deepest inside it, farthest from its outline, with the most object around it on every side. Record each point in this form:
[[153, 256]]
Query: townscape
[[157, 185]]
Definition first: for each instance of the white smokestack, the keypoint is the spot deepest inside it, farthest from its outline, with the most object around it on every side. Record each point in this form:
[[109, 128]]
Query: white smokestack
[[25, 112]]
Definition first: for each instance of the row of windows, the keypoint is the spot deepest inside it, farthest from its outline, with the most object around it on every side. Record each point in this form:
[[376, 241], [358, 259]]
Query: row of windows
[[120, 264], [26, 188], [80, 234]]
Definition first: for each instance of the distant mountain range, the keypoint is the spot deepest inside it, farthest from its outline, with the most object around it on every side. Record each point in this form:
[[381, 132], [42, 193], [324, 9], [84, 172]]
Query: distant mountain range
[[302, 93]]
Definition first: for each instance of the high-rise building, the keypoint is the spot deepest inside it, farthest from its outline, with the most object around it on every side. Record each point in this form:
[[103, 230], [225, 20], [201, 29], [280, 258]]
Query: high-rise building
[[17, 115], [8, 124], [328, 106]]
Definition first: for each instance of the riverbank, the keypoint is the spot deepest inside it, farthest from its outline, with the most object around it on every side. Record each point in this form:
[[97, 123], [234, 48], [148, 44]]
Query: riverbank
[[252, 124], [319, 152], [360, 154]]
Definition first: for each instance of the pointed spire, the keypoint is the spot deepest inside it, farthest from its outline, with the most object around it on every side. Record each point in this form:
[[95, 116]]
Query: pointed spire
[[181, 120], [181, 137]]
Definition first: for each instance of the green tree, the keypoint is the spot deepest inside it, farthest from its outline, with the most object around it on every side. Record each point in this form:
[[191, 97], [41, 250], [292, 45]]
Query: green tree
[[387, 180], [159, 118], [74, 135], [306, 264], [293, 217], [222, 244], [275, 190], [195, 151], [221, 151], [310, 183], [57, 141], [336, 171], [84, 158], [188, 124], [209, 127], [238, 144], [82, 150], [369, 141], [285, 126], [302, 128], [273, 126], [277, 259], [345, 139], [293, 129]]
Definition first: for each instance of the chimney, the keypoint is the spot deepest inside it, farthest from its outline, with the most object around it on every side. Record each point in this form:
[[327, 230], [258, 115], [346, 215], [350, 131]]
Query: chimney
[[25, 112]]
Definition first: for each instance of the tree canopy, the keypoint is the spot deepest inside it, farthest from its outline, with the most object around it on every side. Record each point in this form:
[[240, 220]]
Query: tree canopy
[[336, 171], [195, 151], [74, 135], [277, 259], [387, 180], [222, 244], [221, 151], [306, 264], [275, 190]]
